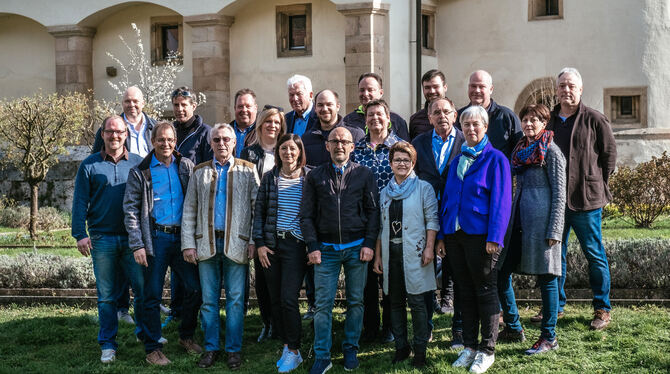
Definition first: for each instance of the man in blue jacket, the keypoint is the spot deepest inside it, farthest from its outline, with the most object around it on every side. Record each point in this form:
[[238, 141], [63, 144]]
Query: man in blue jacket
[[97, 204]]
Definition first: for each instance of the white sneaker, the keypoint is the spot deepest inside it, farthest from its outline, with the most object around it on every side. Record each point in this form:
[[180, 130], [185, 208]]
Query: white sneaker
[[165, 310], [162, 340], [123, 316], [283, 356], [483, 362], [108, 356], [291, 362], [465, 358]]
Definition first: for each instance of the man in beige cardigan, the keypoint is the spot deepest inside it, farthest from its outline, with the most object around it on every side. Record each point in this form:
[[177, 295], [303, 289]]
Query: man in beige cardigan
[[216, 232]]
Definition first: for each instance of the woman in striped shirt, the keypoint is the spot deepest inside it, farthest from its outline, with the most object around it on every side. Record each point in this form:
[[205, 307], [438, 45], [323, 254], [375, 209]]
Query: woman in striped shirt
[[281, 249]]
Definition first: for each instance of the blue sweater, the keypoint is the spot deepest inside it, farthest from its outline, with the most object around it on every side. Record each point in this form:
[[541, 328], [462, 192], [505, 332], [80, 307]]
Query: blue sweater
[[98, 196]]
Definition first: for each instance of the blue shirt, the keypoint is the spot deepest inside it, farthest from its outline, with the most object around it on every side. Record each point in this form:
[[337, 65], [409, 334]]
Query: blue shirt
[[168, 195], [240, 135], [300, 122], [138, 143], [342, 246], [220, 199], [442, 148]]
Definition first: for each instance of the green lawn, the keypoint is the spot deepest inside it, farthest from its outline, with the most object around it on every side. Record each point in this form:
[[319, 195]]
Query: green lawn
[[57, 339]]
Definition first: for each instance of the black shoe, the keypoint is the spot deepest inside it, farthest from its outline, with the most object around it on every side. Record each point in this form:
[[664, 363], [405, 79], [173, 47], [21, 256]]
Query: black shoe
[[419, 360], [207, 359], [511, 336], [310, 313], [387, 336], [401, 355], [457, 340]]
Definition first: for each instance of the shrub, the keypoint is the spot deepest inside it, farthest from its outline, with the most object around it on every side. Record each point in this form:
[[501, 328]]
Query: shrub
[[48, 218], [642, 193]]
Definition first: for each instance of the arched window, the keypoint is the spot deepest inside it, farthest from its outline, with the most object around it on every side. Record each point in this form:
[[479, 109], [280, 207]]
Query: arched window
[[539, 91]]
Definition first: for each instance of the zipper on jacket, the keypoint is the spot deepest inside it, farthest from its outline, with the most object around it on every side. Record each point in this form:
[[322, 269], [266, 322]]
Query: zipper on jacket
[[339, 190], [186, 138]]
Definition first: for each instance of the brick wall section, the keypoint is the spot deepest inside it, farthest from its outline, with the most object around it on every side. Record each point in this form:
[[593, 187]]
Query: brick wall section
[[210, 45], [74, 66], [365, 42]]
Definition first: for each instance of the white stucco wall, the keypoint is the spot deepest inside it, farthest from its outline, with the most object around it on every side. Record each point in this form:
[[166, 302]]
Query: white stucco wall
[[253, 55], [107, 40], [23, 71], [601, 38]]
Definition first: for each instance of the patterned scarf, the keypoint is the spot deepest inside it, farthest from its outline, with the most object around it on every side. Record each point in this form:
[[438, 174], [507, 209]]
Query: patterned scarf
[[531, 152]]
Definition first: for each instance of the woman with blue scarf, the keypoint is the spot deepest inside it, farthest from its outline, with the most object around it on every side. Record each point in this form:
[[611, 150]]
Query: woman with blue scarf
[[476, 207], [539, 208], [404, 253]]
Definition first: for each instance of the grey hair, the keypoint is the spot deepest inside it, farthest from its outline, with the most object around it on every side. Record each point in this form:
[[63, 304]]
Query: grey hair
[[161, 125], [473, 112], [219, 126], [573, 71], [306, 82]]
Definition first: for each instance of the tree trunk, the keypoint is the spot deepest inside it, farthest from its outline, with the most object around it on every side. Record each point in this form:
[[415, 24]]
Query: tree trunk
[[34, 194]]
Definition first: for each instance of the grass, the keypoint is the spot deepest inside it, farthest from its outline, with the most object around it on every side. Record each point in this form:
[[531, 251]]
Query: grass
[[622, 228], [56, 339]]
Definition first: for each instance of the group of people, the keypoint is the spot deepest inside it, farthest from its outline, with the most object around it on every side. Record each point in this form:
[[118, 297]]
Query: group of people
[[308, 192]]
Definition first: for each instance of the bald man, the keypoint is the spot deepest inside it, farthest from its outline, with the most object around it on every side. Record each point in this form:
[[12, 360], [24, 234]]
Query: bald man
[[339, 219], [504, 126], [139, 124]]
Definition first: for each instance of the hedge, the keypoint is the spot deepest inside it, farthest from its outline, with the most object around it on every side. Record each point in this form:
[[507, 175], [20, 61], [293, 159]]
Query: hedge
[[634, 263]]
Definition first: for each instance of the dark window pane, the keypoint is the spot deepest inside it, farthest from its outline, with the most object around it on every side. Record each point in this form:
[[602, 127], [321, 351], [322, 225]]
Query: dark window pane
[[626, 105], [552, 7], [170, 38], [297, 28], [425, 25]]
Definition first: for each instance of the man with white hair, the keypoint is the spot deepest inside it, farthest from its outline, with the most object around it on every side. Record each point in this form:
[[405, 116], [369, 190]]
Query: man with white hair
[[584, 136], [504, 126], [300, 95]]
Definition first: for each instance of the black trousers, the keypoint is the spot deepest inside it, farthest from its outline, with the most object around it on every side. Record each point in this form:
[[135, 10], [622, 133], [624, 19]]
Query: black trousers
[[284, 279], [476, 279], [262, 295], [397, 294], [371, 303]]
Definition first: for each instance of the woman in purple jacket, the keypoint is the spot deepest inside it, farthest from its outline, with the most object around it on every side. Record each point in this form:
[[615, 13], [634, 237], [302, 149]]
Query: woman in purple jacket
[[476, 207]]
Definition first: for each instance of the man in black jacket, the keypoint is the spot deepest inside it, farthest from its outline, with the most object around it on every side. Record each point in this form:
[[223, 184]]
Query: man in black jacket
[[192, 132], [339, 219]]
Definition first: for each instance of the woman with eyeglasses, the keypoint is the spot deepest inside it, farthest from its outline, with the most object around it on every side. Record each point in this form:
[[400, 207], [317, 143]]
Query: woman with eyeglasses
[[281, 249], [373, 152], [270, 127], [476, 207], [404, 254]]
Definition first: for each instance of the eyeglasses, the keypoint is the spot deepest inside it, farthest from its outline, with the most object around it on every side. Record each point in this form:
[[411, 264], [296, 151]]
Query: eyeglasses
[[224, 139], [114, 132], [400, 161], [343, 143], [180, 92], [166, 140]]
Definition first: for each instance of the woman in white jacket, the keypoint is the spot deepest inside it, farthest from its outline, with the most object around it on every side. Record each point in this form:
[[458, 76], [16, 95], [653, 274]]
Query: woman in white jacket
[[405, 250]]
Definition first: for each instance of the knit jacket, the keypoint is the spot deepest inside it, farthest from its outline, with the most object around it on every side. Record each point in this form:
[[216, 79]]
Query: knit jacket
[[197, 225], [138, 202]]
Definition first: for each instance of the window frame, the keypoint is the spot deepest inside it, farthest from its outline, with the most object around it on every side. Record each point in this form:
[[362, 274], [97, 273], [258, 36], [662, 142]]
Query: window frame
[[430, 12], [157, 25], [283, 33], [611, 102], [537, 10]]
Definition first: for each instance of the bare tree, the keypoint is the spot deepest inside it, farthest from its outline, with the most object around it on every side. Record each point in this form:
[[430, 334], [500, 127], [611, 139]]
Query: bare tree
[[34, 132]]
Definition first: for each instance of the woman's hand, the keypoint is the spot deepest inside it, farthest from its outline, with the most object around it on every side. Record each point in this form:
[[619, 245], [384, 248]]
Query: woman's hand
[[552, 242], [428, 256], [377, 267], [263, 256], [491, 247]]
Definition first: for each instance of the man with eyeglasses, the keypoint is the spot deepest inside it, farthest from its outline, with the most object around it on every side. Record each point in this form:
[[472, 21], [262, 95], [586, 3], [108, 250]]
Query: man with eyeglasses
[[339, 218], [435, 150], [216, 235], [314, 139], [97, 225], [153, 207], [138, 141], [192, 132]]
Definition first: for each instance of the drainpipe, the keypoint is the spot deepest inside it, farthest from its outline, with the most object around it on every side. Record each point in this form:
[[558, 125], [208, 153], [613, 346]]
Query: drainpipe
[[419, 43]]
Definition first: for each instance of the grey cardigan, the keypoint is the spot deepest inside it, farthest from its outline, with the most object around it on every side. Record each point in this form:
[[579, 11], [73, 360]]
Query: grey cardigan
[[138, 202], [540, 197]]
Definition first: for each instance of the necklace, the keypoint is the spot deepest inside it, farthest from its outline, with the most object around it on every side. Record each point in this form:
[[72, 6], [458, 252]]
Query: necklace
[[292, 175], [396, 224]]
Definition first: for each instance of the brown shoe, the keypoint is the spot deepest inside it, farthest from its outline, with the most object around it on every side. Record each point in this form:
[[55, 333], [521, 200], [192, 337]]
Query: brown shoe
[[234, 360], [190, 346], [538, 317], [207, 359], [601, 318], [157, 358]]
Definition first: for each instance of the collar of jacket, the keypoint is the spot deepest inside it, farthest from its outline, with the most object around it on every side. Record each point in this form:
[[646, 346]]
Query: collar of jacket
[[146, 162], [318, 131]]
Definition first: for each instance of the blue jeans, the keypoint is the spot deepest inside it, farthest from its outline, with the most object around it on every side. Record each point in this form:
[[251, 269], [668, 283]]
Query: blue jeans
[[325, 283], [167, 252], [587, 226], [233, 274], [112, 257], [549, 291]]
